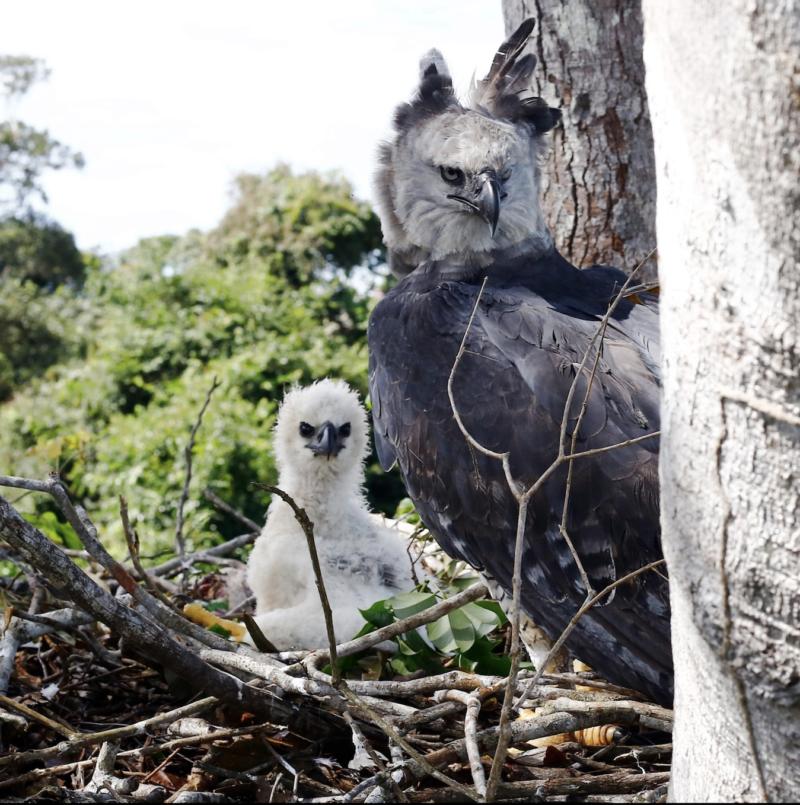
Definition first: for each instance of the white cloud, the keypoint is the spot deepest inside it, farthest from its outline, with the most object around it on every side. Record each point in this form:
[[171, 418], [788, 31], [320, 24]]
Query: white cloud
[[168, 100]]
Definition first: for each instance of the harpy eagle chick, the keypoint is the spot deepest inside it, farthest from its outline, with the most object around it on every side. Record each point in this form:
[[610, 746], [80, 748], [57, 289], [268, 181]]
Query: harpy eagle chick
[[458, 192], [321, 441]]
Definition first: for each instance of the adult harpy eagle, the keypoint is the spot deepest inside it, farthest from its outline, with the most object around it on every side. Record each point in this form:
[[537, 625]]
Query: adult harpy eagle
[[458, 195]]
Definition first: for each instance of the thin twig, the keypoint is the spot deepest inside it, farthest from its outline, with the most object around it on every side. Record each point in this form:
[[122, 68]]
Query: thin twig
[[56, 726], [180, 544], [82, 740], [502, 457], [220, 504], [305, 523], [362, 745], [367, 641], [132, 538], [209, 555], [472, 703], [336, 679], [139, 752], [508, 698], [261, 641]]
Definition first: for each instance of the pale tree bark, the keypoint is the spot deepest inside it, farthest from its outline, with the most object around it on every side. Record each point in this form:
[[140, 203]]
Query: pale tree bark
[[724, 95], [599, 182]]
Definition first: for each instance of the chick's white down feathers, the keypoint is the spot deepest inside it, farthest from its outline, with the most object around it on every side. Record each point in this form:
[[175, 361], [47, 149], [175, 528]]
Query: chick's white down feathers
[[362, 561]]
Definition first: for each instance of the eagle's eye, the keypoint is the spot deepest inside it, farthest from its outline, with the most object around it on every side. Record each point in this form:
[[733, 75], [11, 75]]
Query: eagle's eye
[[452, 175], [505, 175], [306, 430], [345, 429]]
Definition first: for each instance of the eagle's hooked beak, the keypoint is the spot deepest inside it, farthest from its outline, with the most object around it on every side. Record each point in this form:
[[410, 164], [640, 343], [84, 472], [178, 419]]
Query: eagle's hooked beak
[[327, 441], [487, 197]]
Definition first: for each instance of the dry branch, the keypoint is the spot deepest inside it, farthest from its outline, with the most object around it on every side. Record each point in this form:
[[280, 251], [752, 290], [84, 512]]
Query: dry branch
[[140, 752], [172, 566], [86, 531], [147, 637], [132, 539]]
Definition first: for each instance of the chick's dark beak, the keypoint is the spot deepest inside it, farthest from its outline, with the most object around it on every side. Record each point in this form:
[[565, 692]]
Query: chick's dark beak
[[488, 198], [326, 441]]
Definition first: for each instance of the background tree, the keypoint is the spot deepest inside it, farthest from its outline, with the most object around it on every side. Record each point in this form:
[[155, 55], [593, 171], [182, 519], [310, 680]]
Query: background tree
[[726, 113], [38, 250], [37, 255], [599, 181], [25, 151]]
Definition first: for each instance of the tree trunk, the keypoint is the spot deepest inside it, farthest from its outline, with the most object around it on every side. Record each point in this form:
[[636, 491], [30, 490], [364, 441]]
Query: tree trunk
[[599, 183], [724, 94]]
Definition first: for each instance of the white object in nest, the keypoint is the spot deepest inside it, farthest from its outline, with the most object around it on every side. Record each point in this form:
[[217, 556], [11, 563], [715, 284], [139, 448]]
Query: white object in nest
[[321, 441]]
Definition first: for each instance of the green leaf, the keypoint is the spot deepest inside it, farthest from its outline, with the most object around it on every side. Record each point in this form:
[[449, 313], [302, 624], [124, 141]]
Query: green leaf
[[462, 629], [414, 642], [220, 630], [466, 664], [462, 582], [63, 533], [378, 614], [403, 665], [484, 621], [407, 604], [493, 606], [440, 634], [485, 658], [365, 629]]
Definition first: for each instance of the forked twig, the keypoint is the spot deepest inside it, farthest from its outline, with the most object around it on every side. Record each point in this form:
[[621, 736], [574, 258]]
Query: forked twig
[[523, 496]]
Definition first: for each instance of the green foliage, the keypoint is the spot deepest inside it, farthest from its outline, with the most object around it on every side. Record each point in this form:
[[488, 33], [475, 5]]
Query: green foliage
[[159, 323], [465, 638], [36, 255], [60, 532], [39, 251], [296, 225], [37, 330]]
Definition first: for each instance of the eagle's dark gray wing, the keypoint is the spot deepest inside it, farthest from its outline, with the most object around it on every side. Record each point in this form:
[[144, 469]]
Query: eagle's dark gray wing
[[532, 328]]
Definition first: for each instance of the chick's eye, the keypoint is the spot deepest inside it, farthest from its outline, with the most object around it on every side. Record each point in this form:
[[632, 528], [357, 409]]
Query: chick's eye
[[505, 175], [452, 175], [345, 429], [306, 429]]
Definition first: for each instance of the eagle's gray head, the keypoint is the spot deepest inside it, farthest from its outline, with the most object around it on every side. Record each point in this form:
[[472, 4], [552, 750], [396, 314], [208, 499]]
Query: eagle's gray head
[[462, 181]]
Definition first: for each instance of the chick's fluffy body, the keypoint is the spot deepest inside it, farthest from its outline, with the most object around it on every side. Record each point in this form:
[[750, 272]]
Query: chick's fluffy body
[[362, 561]]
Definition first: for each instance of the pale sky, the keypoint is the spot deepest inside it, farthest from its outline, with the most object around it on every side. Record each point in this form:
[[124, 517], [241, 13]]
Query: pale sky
[[168, 100]]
